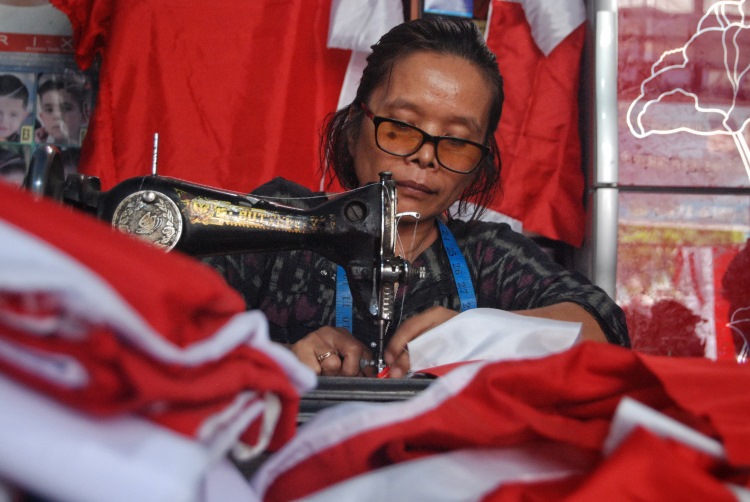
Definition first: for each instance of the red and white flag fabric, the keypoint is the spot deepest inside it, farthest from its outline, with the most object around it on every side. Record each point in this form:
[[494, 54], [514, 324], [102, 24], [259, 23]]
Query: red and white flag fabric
[[237, 91], [539, 47], [540, 429], [109, 325], [551, 23]]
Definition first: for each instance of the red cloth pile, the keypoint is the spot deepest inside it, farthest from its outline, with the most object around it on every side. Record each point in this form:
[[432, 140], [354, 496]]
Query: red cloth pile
[[531, 430], [109, 325]]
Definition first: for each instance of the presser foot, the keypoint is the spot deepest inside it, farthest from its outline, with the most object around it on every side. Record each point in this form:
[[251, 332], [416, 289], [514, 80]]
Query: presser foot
[[378, 364]]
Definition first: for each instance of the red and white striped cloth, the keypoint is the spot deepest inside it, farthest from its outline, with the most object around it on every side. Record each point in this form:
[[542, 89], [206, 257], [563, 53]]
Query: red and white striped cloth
[[109, 325], [541, 429]]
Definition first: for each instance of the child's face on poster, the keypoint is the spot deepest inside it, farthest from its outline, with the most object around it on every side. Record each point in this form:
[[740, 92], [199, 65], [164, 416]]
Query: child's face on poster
[[61, 116], [12, 115]]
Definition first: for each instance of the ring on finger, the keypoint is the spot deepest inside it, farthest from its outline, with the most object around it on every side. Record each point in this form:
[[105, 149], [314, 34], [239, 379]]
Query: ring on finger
[[325, 355]]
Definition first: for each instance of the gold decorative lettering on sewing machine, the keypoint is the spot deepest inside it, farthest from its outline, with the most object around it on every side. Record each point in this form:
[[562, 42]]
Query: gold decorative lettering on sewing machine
[[201, 220], [199, 210]]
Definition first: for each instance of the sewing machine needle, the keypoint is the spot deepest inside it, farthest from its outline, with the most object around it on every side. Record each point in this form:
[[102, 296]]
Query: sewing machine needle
[[155, 154]]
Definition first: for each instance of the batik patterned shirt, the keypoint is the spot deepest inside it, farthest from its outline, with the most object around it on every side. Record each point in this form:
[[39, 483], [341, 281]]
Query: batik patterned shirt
[[297, 289]]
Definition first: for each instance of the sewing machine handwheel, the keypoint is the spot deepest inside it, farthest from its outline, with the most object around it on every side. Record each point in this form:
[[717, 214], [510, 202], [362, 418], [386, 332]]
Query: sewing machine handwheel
[[46, 175]]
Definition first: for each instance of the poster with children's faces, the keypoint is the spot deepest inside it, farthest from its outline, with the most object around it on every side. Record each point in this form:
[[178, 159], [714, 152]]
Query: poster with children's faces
[[42, 107]]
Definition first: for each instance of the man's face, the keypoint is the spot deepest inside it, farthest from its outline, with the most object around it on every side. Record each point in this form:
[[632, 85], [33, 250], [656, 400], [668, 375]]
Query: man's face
[[12, 115]]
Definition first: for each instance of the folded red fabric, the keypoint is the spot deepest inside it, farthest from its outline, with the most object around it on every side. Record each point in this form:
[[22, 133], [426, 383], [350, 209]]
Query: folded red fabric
[[108, 324], [567, 400]]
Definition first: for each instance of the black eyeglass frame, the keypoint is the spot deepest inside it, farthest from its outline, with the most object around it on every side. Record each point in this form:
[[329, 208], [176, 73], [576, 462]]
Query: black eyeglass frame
[[426, 137]]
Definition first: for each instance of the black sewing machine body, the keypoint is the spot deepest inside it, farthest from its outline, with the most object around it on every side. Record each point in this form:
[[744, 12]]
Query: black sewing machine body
[[202, 221]]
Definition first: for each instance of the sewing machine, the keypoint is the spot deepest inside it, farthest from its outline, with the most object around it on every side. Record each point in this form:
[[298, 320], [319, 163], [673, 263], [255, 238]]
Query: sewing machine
[[356, 229]]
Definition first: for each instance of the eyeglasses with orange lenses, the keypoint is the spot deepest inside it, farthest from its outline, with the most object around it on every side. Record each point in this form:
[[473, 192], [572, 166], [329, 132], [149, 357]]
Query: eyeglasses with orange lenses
[[401, 139]]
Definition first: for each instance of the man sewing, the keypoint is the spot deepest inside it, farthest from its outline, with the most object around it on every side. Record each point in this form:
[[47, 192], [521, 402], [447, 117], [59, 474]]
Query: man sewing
[[426, 110]]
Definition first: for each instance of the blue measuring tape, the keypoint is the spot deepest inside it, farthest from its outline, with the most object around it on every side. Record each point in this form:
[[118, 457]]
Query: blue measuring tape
[[461, 276], [343, 300], [460, 269]]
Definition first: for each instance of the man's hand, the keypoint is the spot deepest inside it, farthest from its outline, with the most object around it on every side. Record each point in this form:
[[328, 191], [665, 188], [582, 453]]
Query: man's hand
[[396, 355], [330, 351]]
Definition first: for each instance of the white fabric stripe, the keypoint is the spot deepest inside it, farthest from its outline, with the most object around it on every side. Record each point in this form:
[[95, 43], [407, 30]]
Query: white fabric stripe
[[490, 335], [271, 414], [225, 483], [356, 25], [62, 370], [468, 474], [631, 414], [61, 454], [552, 22], [220, 430], [357, 63], [742, 493], [34, 323]]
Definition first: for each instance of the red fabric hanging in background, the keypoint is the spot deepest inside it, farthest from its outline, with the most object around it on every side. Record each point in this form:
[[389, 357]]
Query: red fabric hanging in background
[[538, 136], [236, 90]]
